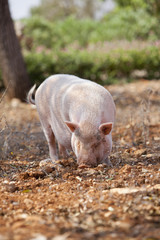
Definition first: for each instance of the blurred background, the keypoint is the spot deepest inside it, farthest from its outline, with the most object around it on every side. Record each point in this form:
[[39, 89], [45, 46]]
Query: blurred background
[[106, 41]]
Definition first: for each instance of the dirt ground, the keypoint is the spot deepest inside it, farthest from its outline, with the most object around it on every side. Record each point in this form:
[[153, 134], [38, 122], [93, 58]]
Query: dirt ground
[[63, 202]]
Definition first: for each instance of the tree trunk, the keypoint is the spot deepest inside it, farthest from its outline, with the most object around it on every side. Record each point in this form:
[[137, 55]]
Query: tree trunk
[[12, 65]]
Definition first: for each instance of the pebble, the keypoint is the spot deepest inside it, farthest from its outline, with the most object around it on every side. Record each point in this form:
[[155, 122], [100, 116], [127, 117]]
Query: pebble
[[11, 188], [45, 162], [48, 169], [29, 203], [140, 152], [61, 237], [125, 169], [111, 209], [15, 102], [39, 237]]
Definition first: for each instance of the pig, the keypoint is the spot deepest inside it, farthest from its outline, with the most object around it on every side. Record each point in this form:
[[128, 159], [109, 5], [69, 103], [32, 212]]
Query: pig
[[77, 113]]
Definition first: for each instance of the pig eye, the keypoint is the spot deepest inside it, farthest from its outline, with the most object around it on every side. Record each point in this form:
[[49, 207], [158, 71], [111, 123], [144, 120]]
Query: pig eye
[[98, 137]]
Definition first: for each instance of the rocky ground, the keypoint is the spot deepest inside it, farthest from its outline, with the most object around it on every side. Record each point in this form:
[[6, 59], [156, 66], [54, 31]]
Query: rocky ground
[[65, 202]]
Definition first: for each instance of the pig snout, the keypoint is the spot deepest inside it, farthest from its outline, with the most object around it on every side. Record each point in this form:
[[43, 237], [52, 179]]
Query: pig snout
[[85, 161]]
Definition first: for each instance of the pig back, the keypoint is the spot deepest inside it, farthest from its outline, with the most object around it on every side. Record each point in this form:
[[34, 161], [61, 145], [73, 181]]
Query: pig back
[[86, 101]]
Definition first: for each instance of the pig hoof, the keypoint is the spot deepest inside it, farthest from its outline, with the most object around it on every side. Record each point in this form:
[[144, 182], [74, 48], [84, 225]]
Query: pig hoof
[[108, 162]]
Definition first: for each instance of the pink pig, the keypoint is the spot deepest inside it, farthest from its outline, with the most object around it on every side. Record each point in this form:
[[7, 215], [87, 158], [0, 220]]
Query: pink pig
[[79, 114]]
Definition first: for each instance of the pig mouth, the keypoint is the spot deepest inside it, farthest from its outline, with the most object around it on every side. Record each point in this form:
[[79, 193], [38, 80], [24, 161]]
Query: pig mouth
[[85, 166], [85, 162]]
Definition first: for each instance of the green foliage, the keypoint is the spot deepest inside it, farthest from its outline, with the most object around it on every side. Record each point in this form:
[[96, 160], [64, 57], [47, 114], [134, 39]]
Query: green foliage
[[135, 4], [119, 24], [38, 31], [150, 6], [58, 34], [130, 24], [39, 66]]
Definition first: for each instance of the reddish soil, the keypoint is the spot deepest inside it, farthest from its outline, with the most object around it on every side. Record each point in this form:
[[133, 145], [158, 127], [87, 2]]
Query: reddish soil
[[63, 202]]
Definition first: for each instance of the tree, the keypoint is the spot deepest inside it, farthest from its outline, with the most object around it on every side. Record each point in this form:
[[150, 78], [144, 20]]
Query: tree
[[151, 6], [60, 9], [12, 65]]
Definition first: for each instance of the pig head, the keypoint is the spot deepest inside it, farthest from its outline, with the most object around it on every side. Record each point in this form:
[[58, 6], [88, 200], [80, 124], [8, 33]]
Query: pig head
[[79, 115], [91, 147]]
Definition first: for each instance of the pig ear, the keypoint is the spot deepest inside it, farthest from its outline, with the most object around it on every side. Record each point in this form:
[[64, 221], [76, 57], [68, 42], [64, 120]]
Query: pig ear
[[105, 128], [72, 126]]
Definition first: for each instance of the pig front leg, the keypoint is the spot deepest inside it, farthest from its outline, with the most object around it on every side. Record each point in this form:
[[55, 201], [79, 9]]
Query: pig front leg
[[62, 151], [51, 142], [108, 162]]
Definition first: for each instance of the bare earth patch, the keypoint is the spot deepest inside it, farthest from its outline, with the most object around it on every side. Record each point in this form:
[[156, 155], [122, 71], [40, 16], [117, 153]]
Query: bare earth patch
[[63, 202]]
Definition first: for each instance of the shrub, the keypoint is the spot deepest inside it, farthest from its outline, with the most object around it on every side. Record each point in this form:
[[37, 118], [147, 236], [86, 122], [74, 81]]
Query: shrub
[[127, 23], [132, 19], [39, 66], [57, 34], [97, 66], [119, 24]]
